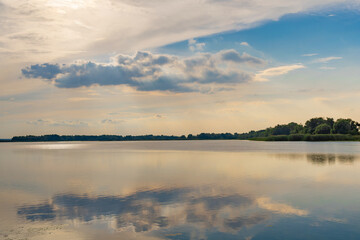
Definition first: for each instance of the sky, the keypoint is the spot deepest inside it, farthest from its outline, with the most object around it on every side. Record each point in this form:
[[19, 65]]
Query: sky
[[175, 67]]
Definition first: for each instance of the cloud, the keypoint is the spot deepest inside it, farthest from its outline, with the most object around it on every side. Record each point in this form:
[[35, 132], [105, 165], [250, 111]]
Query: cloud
[[49, 122], [45, 71], [310, 54], [159, 116], [87, 27], [276, 71], [112, 121], [326, 60], [245, 44], [234, 56], [195, 46], [81, 99], [146, 71]]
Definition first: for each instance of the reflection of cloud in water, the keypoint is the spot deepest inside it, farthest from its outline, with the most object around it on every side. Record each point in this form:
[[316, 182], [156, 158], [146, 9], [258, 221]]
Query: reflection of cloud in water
[[146, 211], [38, 212], [266, 203], [239, 222]]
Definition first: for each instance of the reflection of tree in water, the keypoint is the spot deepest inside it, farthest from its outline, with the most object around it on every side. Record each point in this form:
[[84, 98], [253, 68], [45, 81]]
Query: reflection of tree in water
[[152, 210], [322, 159], [346, 158]]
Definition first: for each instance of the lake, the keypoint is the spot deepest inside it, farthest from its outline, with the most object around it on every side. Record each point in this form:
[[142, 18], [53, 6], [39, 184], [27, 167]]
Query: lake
[[180, 190]]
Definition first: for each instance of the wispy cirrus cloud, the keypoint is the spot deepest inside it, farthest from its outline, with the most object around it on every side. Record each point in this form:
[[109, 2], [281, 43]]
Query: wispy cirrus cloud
[[58, 123], [276, 71], [310, 54], [326, 59], [112, 121]]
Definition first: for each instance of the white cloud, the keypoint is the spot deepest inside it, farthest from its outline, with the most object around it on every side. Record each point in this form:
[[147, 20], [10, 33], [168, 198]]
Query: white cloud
[[309, 54], [262, 76], [245, 44], [195, 46], [326, 60]]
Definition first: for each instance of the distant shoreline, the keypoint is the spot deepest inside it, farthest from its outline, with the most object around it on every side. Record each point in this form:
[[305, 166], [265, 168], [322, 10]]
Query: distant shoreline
[[223, 136], [314, 130]]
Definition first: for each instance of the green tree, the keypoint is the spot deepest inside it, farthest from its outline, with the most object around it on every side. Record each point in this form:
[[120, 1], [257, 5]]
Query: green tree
[[281, 130], [330, 122], [346, 126], [295, 128], [354, 127], [311, 124], [323, 129]]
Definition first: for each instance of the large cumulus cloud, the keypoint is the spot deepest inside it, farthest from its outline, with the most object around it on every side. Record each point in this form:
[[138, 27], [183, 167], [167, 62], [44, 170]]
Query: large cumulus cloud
[[146, 71]]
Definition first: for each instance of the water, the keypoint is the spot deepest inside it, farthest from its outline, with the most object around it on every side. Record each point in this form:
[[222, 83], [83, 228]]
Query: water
[[180, 190]]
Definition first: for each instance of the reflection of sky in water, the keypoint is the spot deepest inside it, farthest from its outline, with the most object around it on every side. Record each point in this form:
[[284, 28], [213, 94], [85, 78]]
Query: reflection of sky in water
[[56, 146], [110, 191], [160, 211]]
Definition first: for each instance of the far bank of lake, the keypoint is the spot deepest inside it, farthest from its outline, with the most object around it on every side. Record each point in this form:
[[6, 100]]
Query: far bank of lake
[[202, 136]]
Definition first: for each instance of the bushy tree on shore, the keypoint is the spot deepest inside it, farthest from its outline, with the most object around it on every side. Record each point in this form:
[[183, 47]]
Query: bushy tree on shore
[[313, 123], [346, 126], [313, 126], [323, 128]]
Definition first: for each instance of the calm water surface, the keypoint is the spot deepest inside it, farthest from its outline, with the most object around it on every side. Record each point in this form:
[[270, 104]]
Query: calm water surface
[[180, 190]]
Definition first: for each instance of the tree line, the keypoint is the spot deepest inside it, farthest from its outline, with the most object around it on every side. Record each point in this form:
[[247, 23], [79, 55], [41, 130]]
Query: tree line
[[313, 126], [315, 129], [59, 138]]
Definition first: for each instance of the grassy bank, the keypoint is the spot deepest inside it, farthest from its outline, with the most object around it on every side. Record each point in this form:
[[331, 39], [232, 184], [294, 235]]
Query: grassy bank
[[310, 137]]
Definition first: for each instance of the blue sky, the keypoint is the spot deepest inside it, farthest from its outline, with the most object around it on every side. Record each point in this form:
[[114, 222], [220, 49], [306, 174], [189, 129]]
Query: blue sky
[[81, 67], [293, 35]]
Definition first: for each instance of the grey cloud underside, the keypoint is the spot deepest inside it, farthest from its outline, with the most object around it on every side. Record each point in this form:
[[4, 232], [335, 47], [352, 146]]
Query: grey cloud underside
[[151, 72], [58, 123], [45, 71]]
